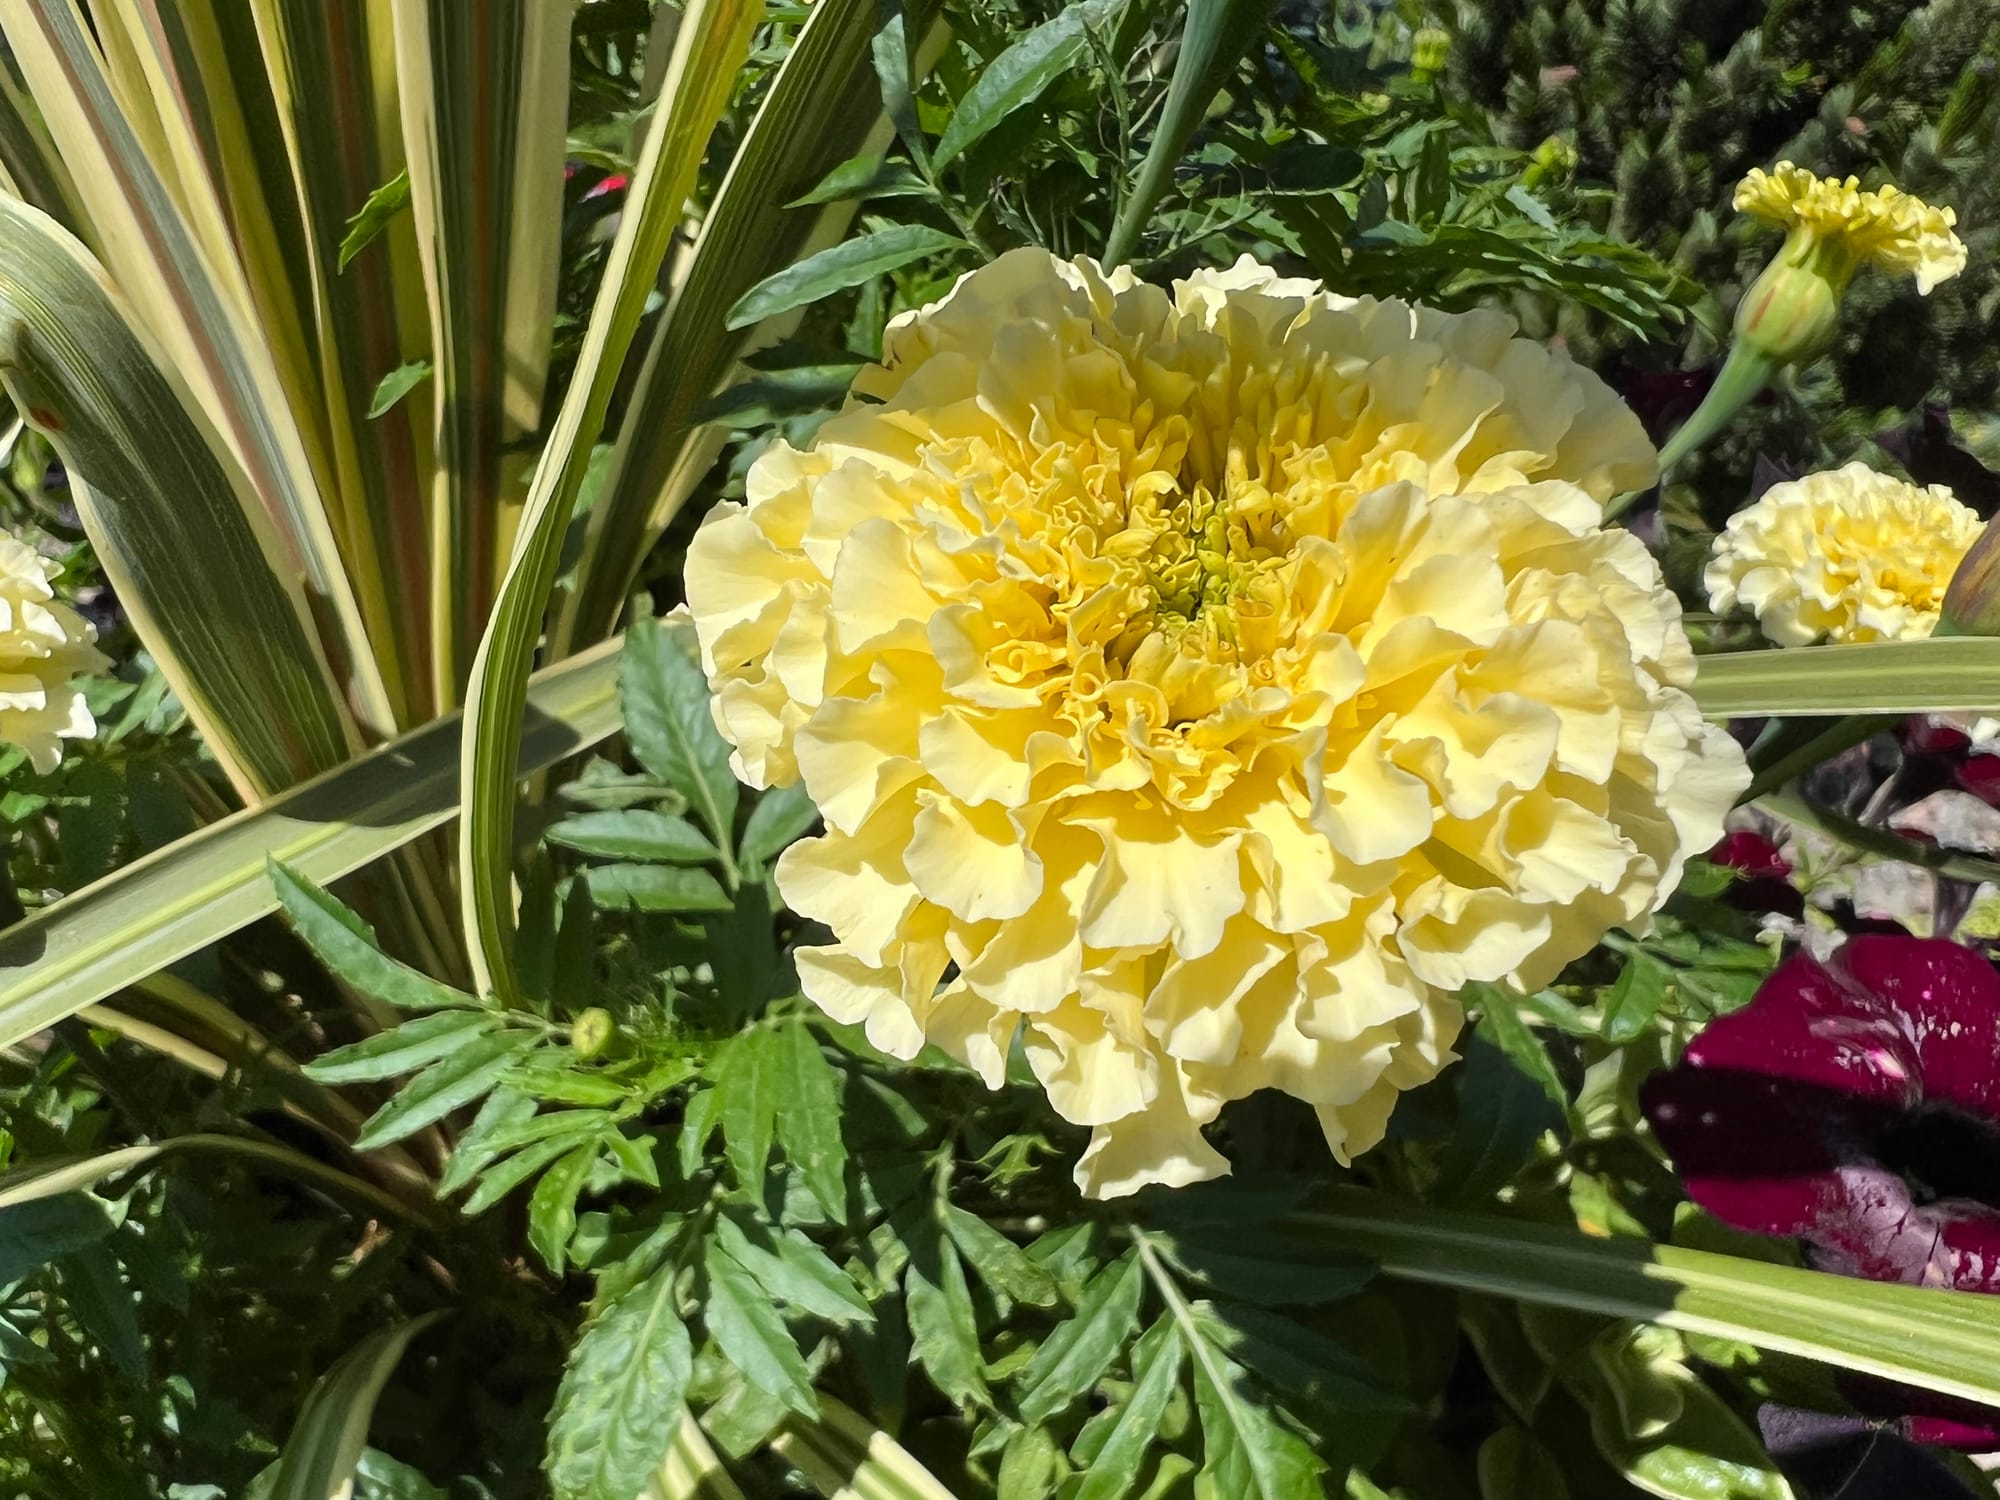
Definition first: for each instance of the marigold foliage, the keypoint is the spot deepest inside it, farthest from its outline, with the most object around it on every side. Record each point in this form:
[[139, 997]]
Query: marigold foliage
[[1211, 684], [44, 644], [1846, 555], [1881, 226]]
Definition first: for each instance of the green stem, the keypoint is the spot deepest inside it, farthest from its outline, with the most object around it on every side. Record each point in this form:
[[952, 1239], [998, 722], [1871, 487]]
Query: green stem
[[1744, 376]]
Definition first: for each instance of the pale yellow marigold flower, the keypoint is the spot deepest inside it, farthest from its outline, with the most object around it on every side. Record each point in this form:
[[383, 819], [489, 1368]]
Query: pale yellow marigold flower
[[44, 644], [1206, 687], [1850, 227], [1845, 555]]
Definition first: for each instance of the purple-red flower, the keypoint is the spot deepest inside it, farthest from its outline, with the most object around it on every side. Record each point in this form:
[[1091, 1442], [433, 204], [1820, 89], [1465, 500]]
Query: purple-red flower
[[1855, 1105]]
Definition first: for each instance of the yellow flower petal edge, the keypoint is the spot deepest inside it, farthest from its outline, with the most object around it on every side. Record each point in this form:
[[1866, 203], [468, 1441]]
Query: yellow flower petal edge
[[43, 645], [1882, 226], [1204, 687], [1842, 556]]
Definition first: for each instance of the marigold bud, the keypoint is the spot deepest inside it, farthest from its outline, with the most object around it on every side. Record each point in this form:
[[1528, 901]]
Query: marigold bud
[[1792, 311], [1431, 50], [592, 1032]]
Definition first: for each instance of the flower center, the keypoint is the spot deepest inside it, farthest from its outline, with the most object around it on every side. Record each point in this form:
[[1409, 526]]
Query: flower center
[[1943, 1152]]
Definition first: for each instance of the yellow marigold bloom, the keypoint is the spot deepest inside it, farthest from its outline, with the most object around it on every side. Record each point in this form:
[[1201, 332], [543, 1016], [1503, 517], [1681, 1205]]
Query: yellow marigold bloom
[[43, 645], [1848, 227], [1845, 555], [1205, 686]]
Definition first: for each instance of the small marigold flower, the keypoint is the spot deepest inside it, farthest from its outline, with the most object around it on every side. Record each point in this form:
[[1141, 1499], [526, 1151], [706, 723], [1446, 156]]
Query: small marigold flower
[[44, 644], [1845, 555], [1205, 687], [1839, 227], [1832, 229]]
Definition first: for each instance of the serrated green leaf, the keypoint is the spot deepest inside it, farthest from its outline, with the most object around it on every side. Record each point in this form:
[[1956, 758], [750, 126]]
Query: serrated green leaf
[[445, 1086], [809, 1116], [944, 1329], [634, 833], [1501, 1021], [750, 1333], [998, 1261], [622, 1396], [346, 945], [1019, 74], [1156, 1371], [781, 816], [497, 1182], [546, 1076], [656, 888], [474, 1151], [397, 384], [699, 1117], [1266, 1266], [850, 263], [552, 1206], [416, 1043], [749, 1078], [1073, 1358], [1303, 1367], [1246, 1451], [1502, 1113], [665, 701], [1632, 1003], [795, 1270]]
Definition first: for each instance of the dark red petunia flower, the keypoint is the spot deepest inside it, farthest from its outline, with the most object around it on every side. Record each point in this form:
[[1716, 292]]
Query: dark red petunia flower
[[1856, 1106]]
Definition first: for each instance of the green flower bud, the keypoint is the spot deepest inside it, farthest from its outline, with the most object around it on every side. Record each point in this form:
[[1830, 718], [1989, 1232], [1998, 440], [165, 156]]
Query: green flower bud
[[1431, 50], [592, 1031], [1792, 311]]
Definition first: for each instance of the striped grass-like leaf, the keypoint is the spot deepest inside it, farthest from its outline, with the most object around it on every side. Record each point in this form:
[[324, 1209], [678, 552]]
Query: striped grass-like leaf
[[195, 560], [332, 90], [184, 897], [327, 1441], [1946, 674], [162, 230], [1936, 1340], [484, 104], [710, 46], [820, 110]]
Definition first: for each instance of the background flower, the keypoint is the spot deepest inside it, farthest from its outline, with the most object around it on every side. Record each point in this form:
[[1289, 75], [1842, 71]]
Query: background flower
[[1854, 1104], [44, 644], [1212, 685], [1846, 555]]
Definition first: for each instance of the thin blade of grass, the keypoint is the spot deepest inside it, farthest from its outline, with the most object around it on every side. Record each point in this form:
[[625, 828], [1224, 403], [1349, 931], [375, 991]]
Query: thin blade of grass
[[713, 40]]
